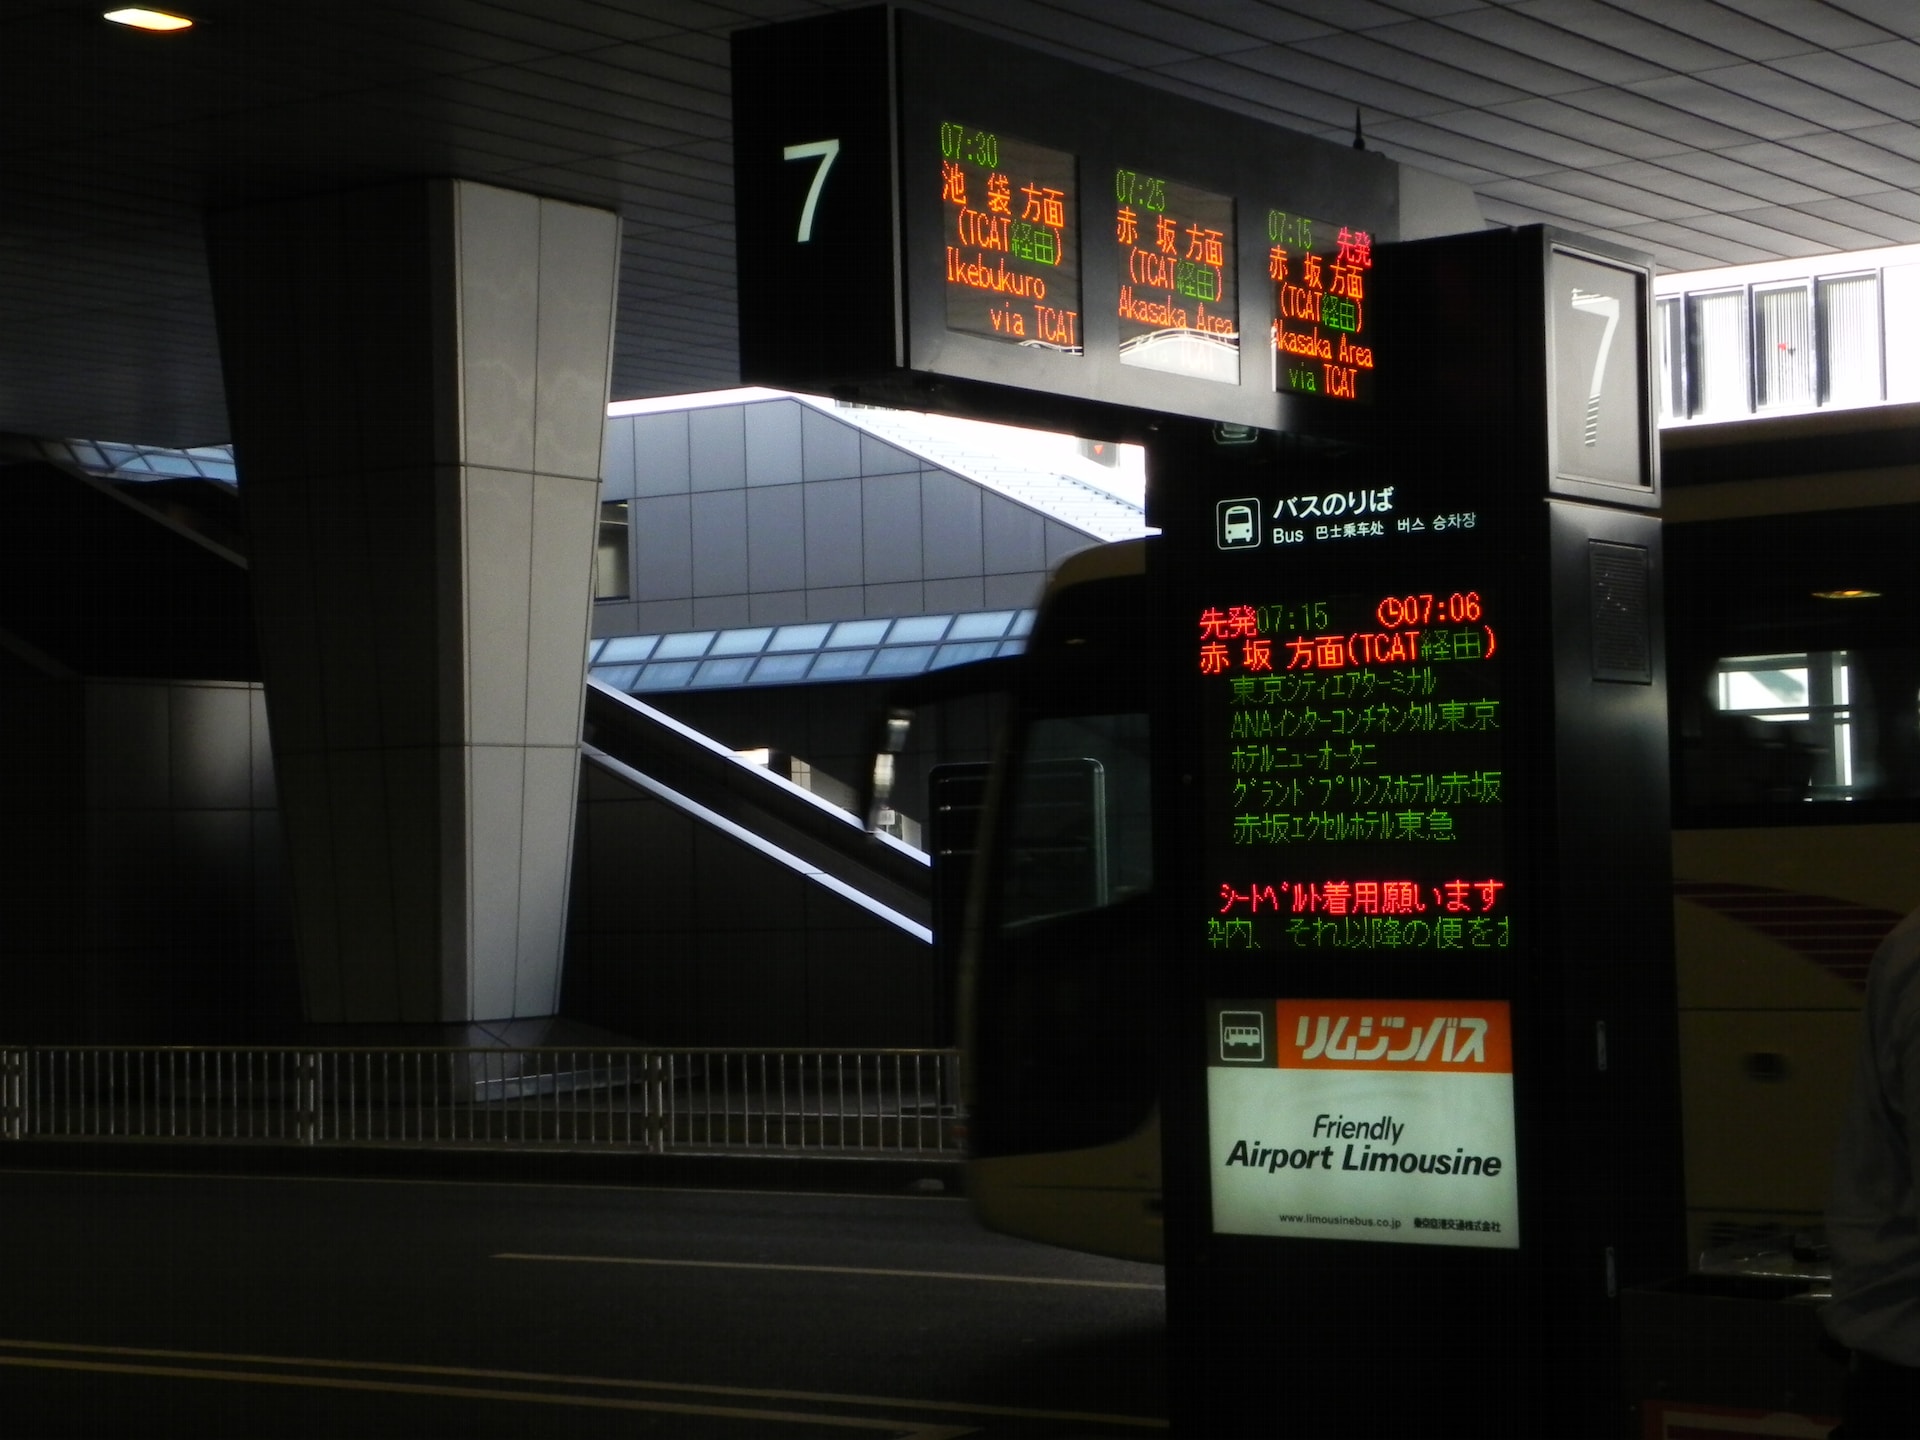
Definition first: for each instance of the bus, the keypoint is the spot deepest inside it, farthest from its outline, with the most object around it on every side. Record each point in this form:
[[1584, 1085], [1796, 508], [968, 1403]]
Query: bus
[[1793, 677]]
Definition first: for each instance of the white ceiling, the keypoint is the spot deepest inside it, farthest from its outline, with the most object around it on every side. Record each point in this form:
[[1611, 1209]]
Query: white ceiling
[[1708, 132]]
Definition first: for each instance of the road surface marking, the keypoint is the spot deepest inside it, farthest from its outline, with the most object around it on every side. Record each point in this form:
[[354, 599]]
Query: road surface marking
[[841, 1270], [125, 1353], [903, 1429]]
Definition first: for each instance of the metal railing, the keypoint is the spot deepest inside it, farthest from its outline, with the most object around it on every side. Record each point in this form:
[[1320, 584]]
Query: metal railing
[[690, 1101]]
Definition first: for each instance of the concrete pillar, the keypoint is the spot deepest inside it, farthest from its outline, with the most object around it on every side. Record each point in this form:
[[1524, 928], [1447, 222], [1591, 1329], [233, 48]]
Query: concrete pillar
[[417, 380]]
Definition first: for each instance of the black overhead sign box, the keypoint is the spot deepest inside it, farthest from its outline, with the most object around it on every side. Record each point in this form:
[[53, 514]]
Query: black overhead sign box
[[922, 210]]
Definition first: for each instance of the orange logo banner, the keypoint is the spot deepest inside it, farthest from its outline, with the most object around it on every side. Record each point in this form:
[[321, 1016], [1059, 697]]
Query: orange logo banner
[[1461, 1036]]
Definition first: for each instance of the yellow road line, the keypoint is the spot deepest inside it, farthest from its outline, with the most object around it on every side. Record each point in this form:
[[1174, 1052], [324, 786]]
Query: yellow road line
[[734, 1392], [905, 1430], [841, 1270]]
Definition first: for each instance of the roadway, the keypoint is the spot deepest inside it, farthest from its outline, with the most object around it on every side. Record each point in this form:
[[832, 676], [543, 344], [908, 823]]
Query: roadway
[[163, 1305]]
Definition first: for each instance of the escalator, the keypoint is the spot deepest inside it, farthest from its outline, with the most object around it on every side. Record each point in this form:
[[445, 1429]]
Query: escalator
[[828, 846]]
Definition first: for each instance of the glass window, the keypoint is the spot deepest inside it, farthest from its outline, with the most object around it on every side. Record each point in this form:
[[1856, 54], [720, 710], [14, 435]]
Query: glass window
[[963, 653], [799, 637], [859, 632], [724, 672], [782, 669], [1717, 353], [840, 665], [1809, 696], [919, 629], [985, 625], [617, 677], [1783, 346], [742, 642], [666, 677], [902, 660], [627, 648], [1079, 824], [679, 647], [1668, 322], [1850, 337], [610, 553]]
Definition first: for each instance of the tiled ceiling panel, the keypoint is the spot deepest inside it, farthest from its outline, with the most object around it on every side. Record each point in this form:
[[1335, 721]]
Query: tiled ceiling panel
[[1704, 131]]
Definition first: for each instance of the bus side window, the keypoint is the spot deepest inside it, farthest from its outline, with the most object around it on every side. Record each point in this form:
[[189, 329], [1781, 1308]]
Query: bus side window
[[1079, 834]]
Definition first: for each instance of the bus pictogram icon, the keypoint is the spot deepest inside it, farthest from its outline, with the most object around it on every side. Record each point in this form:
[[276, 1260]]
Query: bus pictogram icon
[[1243, 1036], [1238, 524]]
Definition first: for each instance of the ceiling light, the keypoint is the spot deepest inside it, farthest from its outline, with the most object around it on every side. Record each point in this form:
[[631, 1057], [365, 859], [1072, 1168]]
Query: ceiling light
[[1846, 594], [149, 19]]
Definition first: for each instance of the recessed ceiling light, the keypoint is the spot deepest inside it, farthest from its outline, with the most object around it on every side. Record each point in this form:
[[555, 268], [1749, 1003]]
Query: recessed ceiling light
[[1846, 594], [149, 19]]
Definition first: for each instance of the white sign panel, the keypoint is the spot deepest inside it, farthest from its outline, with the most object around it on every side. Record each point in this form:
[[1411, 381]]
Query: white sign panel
[[1387, 1120]]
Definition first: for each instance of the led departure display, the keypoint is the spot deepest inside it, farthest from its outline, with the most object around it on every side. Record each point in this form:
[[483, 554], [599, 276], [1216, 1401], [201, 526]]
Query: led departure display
[[1178, 308], [1355, 774], [947, 206], [1322, 344], [1012, 252], [1354, 811]]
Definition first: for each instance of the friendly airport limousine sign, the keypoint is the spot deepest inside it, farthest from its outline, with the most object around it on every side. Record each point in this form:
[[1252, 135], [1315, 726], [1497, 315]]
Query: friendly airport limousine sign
[[1380, 1120]]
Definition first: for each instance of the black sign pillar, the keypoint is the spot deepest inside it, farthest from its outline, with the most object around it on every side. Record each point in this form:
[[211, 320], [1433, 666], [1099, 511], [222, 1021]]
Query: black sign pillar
[[1421, 1120], [1410, 773]]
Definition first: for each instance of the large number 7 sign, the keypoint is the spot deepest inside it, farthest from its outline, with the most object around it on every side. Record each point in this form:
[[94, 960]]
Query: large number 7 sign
[[824, 151]]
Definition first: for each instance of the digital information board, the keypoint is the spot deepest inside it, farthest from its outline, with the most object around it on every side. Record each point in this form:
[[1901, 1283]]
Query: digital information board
[[1178, 309], [949, 206], [1013, 254], [1384, 1120], [1354, 774], [1318, 272], [1353, 810]]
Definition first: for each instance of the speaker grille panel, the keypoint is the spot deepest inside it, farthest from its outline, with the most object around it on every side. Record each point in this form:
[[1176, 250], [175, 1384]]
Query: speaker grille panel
[[1622, 614]]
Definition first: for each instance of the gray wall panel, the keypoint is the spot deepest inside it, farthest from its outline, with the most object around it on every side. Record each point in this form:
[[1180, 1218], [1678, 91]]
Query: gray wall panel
[[846, 602], [1062, 542], [719, 612], [950, 526], [773, 442], [904, 597], [890, 528], [661, 462], [717, 447], [616, 466], [830, 448], [719, 542], [662, 530], [966, 593], [210, 737], [1018, 591], [879, 458], [778, 607], [833, 533], [776, 539], [615, 617], [662, 616], [1014, 536]]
